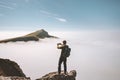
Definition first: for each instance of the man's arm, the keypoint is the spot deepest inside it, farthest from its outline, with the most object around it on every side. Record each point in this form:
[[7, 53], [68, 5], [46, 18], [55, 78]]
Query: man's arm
[[59, 46]]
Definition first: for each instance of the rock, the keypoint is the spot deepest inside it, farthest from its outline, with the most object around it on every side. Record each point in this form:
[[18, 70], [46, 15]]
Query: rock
[[24, 38], [41, 34], [35, 36], [55, 76], [10, 68]]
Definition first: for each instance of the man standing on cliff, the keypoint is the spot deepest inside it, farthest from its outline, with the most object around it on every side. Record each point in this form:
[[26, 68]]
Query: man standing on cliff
[[63, 57]]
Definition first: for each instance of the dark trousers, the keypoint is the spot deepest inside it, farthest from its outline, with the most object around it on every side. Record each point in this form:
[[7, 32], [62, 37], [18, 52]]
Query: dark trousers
[[62, 60]]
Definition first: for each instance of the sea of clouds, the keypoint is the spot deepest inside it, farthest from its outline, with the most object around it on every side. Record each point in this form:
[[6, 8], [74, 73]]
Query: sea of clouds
[[95, 54]]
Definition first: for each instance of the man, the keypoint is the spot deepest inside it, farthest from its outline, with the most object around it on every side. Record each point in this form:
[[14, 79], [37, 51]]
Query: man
[[62, 58]]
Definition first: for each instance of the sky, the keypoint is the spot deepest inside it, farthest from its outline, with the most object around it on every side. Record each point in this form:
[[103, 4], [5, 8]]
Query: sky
[[59, 14]]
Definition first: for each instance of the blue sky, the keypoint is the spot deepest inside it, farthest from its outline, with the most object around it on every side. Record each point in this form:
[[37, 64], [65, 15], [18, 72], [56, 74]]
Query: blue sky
[[59, 14]]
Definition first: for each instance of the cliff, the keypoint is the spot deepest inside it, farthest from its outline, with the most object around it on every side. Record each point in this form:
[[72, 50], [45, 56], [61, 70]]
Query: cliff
[[10, 68], [54, 76], [34, 36]]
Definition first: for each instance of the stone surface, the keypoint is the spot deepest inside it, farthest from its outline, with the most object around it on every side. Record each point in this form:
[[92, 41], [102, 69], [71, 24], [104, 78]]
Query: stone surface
[[55, 76], [10, 68], [14, 78]]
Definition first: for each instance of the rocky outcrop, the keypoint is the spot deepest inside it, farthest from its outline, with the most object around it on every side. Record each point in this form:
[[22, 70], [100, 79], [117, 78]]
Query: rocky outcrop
[[40, 34], [35, 36], [23, 38], [10, 68], [55, 76]]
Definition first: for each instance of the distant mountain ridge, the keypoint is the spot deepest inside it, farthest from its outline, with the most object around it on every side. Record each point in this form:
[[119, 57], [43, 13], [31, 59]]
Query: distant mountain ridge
[[41, 34], [34, 36]]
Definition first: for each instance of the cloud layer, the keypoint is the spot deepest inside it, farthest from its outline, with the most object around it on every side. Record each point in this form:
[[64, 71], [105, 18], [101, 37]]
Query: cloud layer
[[61, 19], [95, 55], [54, 16]]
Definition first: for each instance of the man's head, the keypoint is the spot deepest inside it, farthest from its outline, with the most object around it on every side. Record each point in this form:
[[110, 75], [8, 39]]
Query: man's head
[[64, 41]]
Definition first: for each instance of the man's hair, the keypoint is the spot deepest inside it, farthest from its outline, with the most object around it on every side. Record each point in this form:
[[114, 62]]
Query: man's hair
[[64, 41]]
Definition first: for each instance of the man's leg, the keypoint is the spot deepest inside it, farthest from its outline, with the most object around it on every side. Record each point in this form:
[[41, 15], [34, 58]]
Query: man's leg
[[59, 66], [65, 66]]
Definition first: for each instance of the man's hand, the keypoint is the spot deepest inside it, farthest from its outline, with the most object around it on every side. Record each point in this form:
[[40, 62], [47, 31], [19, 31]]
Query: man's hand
[[59, 45]]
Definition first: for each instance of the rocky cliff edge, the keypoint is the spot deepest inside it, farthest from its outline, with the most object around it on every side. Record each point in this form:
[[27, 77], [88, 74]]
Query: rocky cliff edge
[[10, 68], [55, 76]]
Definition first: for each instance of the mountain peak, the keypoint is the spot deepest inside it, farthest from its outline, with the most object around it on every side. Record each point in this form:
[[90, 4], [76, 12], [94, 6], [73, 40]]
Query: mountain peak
[[41, 34], [41, 30], [34, 36]]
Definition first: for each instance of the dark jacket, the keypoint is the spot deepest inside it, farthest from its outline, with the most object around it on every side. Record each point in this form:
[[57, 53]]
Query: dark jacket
[[63, 46]]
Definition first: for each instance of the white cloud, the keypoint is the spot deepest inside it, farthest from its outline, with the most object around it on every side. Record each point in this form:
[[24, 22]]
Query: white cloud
[[61, 19], [8, 3], [54, 16], [8, 7], [48, 13], [45, 12]]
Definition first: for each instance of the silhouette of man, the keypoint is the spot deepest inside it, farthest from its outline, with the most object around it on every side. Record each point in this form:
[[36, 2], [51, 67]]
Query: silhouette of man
[[63, 58]]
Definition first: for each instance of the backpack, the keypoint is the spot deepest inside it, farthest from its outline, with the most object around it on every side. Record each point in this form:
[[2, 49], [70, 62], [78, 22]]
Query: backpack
[[67, 51]]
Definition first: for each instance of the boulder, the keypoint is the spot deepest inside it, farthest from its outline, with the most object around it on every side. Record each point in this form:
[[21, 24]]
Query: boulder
[[55, 76], [10, 68]]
